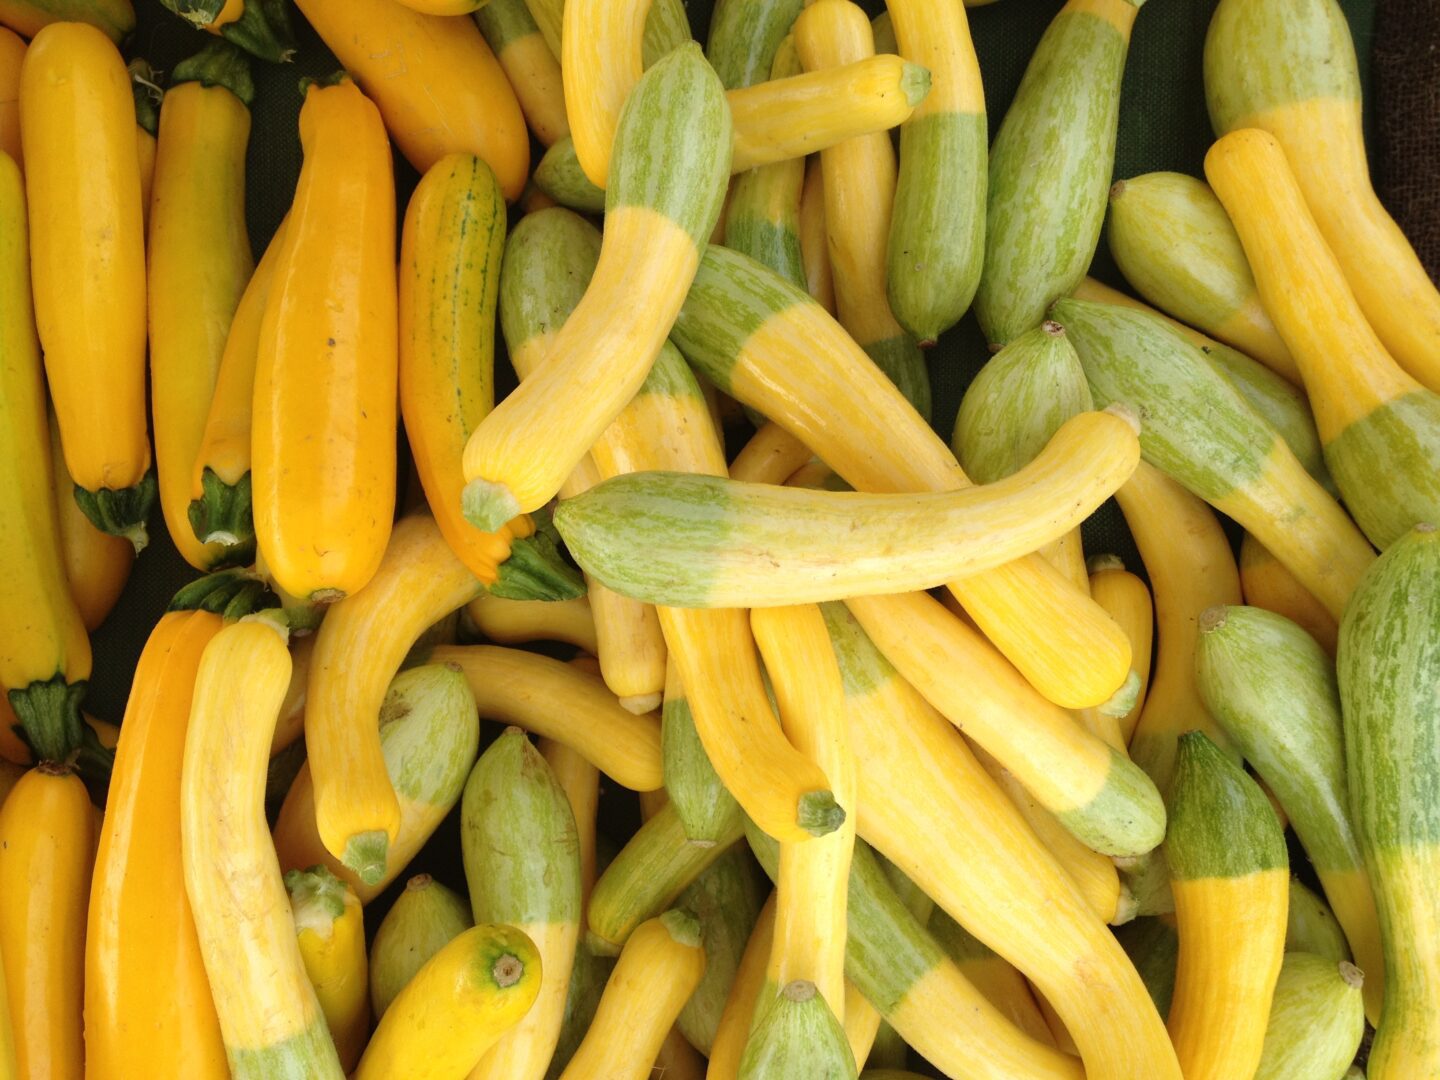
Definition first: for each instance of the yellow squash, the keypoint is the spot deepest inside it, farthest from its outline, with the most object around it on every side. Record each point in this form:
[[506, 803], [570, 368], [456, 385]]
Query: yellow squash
[[88, 265], [734, 1029], [1267, 584], [97, 565], [115, 17], [515, 622], [330, 928], [1127, 599], [770, 457], [146, 994], [46, 851], [200, 261], [269, 1016], [12, 55], [601, 61], [438, 85], [327, 361], [533, 70], [814, 247]]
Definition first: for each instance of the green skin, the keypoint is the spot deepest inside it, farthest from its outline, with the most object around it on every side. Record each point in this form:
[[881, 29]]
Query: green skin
[[937, 230], [1310, 926], [1153, 947], [1174, 243], [726, 900], [518, 839], [797, 1037], [654, 868], [1221, 824], [549, 260], [1050, 169], [888, 1051], [122, 511], [1017, 402], [429, 733], [904, 364], [1317, 1019], [307, 1056], [549, 16], [667, 27], [1260, 54], [218, 63], [1385, 468], [423, 920], [1194, 425], [1389, 667], [744, 36], [1272, 689], [705, 807], [559, 175]]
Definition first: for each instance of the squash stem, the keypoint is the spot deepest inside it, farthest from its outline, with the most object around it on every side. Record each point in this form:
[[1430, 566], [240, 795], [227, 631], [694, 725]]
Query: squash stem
[[121, 512], [365, 854], [49, 715], [535, 569], [263, 30], [218, 63], [819, 814], [488, 505]]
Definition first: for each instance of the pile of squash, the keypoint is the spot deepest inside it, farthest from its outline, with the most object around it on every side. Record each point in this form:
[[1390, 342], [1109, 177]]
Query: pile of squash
[[1023, 818]]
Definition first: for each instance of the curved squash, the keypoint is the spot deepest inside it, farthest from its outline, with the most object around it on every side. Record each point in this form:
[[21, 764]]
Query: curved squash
[[515, 622], [1317, 1020], [601, 62], [745, 36], [1267, 584]]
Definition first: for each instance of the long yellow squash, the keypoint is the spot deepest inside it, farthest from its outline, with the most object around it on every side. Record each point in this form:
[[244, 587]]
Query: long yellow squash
[[1128, 601], [200, 262], [12, 56], [1267, 584], [327, 360], [435, 80], [146, 994], [97, 565], [269, 1016], [88, 265], [46, 852], [600, 62]]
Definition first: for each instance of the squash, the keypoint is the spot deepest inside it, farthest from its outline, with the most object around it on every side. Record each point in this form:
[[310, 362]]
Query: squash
[[533, 70], [601, 356], [1050, 166], [220, 508], [549, 17], [580, 780], [601, 62], [1172, 241], [1200, 431], [521, 853], [116, 18], [1272, 688], [992, 975], [678, 1060], [425, 917], [1230, 875], [1153, 947], [473, 990], [860, 186], [147, 96], [330, 928], [1289, 68], [197, 219], [1316, 1022], [1093, 789], [658, 969], [814, 247], [770, 457], [703, 804], [1267, 584], [434, 80], [260, 27], [87, 266], [762, 218], [44, 650], [514, 622], [450, 249], [1389, 657], [761, 340], [269, 1016], [1380, 427], [796, 1035], [428, 734], [97, 564], [12, 56], [694, 541], [745, 38], [1128, 601], [937, 232], [1310, 926], [323, 509], [147, 997], [558, 176], [920, 781], [728, 1046]]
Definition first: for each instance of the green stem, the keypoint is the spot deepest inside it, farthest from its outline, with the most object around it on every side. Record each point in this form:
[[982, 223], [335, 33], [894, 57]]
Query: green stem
[[536, 570], [199, 13], [121, 512], [218, 63], [147, 95], [49, 715], [263, 30]]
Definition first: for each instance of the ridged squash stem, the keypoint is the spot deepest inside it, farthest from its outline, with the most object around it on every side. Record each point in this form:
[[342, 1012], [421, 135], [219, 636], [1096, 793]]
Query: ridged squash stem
[[860, 183], [1380, 427]]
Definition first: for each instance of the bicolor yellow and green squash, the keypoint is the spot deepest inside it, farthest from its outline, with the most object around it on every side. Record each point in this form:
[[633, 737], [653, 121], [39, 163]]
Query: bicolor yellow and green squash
[[424, 918], [330, 928], [1317, 1019], [533, 70]]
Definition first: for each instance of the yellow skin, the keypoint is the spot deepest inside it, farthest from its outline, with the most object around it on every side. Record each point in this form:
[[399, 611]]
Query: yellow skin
[[814, 247], [197, 219], [534, 72], [524, 1052], [328, 357], [473, 990], [1267, 584], [97, 565], [46, 852], [770, 457], [435, 81], [734, 1029], [12, 55], [146, 994], [88, 249], [1127, 599], [333, 951], [514, 622], [115, 17], [601, 63], [580, 781], [652, 980], [41, 633]]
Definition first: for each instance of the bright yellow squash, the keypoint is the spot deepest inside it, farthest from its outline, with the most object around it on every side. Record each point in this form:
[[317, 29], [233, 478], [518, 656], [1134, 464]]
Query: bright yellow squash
[[97, 565], [601, 61], [533, 70], [327, 361], [330, 927], [200, 261], [146, 994], [87, 265]]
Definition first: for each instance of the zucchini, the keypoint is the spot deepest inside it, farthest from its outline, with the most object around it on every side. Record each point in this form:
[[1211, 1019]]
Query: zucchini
[[860, 189], [1317, 1019], [1199, 430], [703, 804], [1172, 241], [762, 341], [1289, 67], [473, 990], [1267, 584], [521, 852], [330, 929], [687, 540], [797, 1036], [1388, 664], [937, 231], [1153, 946], [1050, 167], [745, 36], [425, 917], [1310, 927], [1272, 688], [1230, 878], [1368, 410]]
